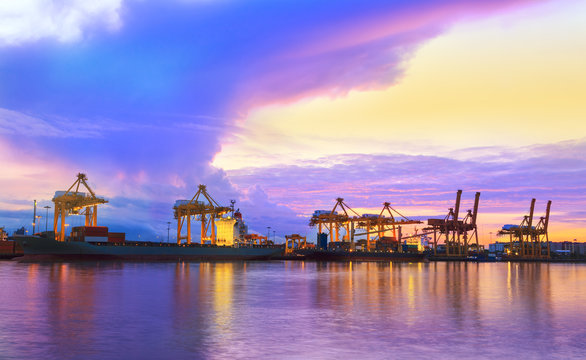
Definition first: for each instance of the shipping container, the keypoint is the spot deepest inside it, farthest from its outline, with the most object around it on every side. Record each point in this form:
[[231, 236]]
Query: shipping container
[[9, 249], [94, 239], [322, 241], [116, 237], [82, 231], [388, 239]]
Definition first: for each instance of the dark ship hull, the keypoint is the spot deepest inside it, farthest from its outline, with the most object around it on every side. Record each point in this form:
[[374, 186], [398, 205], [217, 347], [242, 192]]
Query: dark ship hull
[[344, 255], [38, 248]]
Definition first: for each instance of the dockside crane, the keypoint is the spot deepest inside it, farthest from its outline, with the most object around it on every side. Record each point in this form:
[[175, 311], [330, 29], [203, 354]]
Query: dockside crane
[[457, 233], [294, 241], [388, 219], [257, 239], [205, 210], [341, 216], [74, 202], [541, 231], [527, 241]]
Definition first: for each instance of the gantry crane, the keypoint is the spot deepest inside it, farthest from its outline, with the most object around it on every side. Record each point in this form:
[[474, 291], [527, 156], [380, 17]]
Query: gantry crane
[[257, 239], [206, 211], [527, 241], [75, 202], [380, 224], [334, 221], [455, 231], [294, 239]]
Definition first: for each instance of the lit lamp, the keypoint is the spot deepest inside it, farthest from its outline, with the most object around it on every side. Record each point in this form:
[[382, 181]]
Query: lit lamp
[[47, 217], [37, 217]]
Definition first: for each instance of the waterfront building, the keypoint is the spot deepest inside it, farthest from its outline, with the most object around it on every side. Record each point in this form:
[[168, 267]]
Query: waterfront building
[[562, 248], [568, 248]]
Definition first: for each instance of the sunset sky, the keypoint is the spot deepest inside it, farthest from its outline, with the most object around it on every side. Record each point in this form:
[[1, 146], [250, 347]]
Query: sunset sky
[[286, 105]]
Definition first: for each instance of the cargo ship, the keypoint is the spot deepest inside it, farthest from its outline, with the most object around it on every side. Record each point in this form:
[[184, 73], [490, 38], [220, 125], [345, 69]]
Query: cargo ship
[[347, 255], [40, 248], [96, 243], [9, 249]]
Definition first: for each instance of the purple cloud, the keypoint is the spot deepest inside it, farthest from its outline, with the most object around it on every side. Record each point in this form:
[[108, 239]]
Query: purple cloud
[[140, 98], [547, 172]]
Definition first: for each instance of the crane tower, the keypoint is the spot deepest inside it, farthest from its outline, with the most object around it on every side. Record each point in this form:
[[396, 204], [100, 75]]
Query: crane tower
[[526, 240], [385, 221], [333, 221], [205, 210], [457, 233], [74, 202]]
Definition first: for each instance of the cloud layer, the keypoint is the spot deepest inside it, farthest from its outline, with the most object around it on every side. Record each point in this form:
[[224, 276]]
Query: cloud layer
[[425, 185], [140, 94]]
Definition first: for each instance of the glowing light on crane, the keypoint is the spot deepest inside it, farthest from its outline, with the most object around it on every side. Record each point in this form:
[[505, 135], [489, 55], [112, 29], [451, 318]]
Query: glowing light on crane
[[74, 202], [457, 233], [526, 240], [205, 210]]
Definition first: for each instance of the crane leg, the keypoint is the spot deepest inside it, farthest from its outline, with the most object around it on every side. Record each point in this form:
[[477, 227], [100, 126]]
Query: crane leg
[[189, 230], [62, 233], [212, 224], [179, 223]]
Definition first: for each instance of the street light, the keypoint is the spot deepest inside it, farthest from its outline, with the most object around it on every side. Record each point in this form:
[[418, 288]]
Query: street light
[[268, 232], [35, 217], [47, 217], [168, 230]]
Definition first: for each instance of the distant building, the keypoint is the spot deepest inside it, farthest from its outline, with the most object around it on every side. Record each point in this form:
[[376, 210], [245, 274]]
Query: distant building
[[3, 235], [560, 248], [568, 247], [497, 247]]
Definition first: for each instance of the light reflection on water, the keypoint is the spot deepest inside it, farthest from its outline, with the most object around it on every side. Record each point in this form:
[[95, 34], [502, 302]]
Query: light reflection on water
[[291, 310]]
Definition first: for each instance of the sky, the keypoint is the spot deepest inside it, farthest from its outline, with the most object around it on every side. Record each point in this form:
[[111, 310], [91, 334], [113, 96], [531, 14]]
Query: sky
[[284, 106]]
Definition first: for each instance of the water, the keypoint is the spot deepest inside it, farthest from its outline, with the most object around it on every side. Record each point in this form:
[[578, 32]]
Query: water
[[292, 310]]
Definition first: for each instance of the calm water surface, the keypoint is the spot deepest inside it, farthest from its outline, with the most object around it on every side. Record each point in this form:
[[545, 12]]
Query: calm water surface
[[292, 310]]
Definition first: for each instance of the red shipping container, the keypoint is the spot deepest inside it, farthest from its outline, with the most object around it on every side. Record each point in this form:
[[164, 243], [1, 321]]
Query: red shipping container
[[6, 247], [96, 231], [116, 237]]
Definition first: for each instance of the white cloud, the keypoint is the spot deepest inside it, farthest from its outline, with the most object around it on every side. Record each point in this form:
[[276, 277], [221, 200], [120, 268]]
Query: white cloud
[[13, 122], [65, 20]]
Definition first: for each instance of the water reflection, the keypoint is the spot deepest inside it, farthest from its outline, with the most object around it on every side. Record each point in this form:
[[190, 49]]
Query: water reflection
[[290, 309], [70, 305]]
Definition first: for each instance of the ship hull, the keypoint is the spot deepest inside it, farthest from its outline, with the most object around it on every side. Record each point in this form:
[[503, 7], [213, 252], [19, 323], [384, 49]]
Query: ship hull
[[38, 249], [338, 255], [9, 250]]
